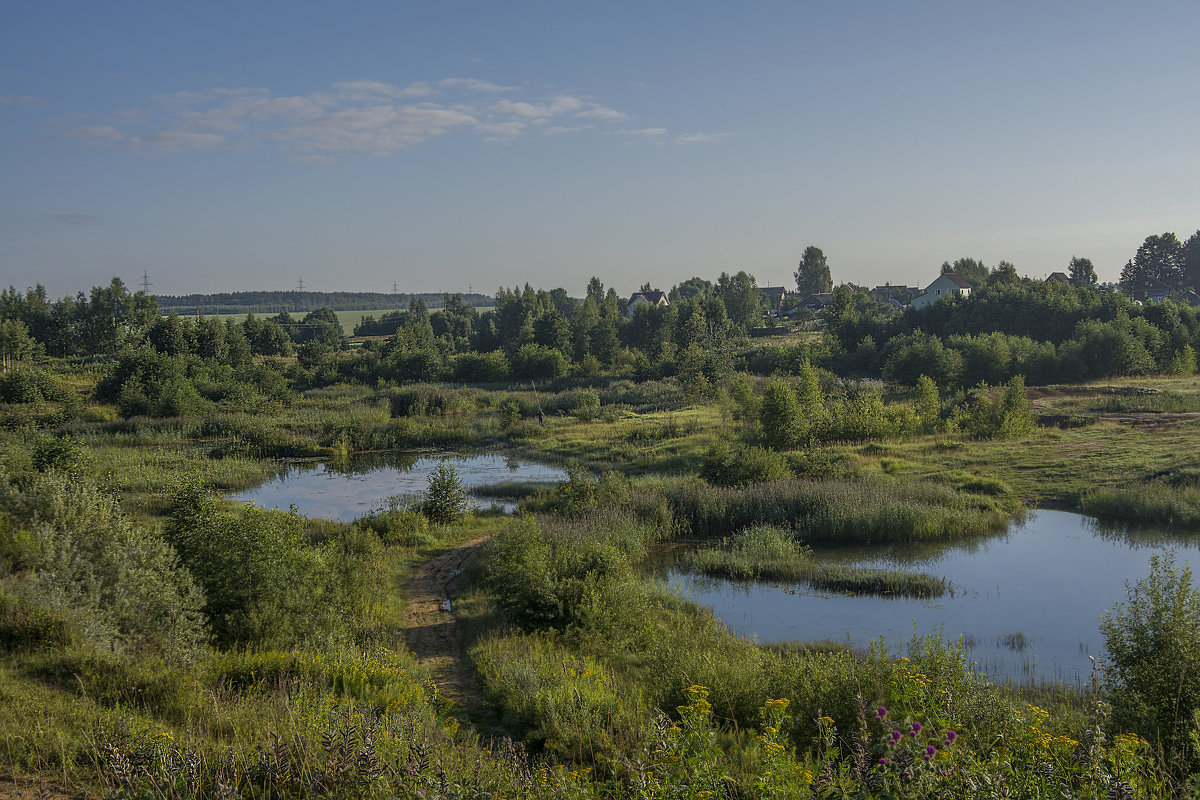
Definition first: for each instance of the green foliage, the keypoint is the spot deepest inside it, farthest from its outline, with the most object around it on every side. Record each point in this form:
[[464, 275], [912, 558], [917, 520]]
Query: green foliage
[[1010, 416], [812, 274], [737, 466], [445, 500], [1152, 642], [85, 567], [564, 575], [262, 584], [927, 404], [779, 416]]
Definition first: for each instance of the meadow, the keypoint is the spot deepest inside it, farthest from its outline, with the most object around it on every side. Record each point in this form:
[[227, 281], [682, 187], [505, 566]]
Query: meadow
[[158, 640]]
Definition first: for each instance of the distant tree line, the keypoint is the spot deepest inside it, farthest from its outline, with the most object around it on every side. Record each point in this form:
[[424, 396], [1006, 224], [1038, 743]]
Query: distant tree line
[[299, 302]]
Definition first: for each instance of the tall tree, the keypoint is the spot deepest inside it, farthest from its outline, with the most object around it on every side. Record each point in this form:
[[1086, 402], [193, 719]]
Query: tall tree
[[971, 270], [595, 290], [1082, 272], [1004, 273], [1191, 261], [743, 301], [1159, 257], [812, 275]]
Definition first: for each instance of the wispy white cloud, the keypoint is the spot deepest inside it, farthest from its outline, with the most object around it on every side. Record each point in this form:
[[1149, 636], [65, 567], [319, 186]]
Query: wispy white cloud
[[361, 116], [473, 85], [361, 89], [600, 112], [643, 132], [692, 138], [20, 101], [559, 105]]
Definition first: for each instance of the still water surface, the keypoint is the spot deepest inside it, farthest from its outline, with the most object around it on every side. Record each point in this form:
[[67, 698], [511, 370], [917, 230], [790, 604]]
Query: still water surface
[[360, 486], [1027, 602]]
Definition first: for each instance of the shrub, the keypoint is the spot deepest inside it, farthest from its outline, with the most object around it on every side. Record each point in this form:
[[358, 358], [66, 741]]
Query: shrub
[[261, 583], [1152, 643], [738, 466], [446, 499], [120, 585]]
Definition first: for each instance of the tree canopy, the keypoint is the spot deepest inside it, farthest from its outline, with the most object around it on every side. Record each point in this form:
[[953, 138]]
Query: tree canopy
[[812, 275]]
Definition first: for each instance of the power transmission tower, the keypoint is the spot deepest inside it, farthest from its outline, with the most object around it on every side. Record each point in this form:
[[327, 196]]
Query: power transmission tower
[[300, 286], [146, 284], [395, 288]]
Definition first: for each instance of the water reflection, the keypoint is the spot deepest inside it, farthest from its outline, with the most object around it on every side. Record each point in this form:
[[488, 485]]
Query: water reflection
[[1027, 602], [358, 485]]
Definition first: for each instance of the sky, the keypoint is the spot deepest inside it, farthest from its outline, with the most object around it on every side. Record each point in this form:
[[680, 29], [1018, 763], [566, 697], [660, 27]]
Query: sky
[[447, 146]]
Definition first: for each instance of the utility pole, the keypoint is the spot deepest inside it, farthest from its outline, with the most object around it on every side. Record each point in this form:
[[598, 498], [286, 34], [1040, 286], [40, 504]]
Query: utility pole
[[146, 284]]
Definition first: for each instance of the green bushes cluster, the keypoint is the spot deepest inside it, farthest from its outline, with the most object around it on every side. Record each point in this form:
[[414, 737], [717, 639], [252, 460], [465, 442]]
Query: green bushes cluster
[[564, 574], [76, 563], [263, 583]]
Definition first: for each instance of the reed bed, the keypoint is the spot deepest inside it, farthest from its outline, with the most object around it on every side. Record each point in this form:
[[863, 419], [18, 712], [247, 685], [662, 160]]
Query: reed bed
[[839, 511], [1152, 503], [764, 553]]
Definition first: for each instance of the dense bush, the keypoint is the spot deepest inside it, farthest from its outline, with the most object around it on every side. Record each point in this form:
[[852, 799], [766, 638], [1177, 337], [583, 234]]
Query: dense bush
[[1152, 642], [262, 583], [79, 559]]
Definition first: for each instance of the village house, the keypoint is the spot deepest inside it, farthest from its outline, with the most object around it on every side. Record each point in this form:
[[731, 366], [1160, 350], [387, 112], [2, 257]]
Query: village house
[[947, 284], [774, 296], [1150, 290], [816, 302], [1057, 277], [652, 299]]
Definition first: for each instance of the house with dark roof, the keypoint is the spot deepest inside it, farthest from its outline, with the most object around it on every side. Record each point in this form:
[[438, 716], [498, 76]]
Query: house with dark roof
[[1150, 290], [949, 285], [816, 302], [774, 296], [894, 297], [1057, 277], [651, 299]]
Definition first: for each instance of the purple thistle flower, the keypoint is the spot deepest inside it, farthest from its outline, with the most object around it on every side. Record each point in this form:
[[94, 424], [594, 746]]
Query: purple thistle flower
[[951, 735], [880, 712], [883, 761], [930, 750], [927, 756], [916, 726]]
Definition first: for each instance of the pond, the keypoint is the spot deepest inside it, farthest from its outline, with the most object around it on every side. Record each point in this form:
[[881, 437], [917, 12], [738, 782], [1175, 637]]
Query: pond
[[1027, 603], [346, 491]]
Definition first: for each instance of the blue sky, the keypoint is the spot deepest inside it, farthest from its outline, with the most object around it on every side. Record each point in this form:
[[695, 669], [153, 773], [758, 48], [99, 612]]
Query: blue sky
[[442, 145]]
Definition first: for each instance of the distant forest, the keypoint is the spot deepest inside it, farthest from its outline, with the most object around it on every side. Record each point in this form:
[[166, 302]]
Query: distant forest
[[300, 302]]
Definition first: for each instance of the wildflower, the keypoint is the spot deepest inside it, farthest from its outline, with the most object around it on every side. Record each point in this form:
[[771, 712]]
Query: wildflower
[[930, 750], [927, 756], [880, 713], [951, 735], [883, 761], [916, 728]]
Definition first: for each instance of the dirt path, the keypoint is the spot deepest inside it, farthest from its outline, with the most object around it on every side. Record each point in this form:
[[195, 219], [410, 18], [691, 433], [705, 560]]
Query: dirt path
[[432, 630]]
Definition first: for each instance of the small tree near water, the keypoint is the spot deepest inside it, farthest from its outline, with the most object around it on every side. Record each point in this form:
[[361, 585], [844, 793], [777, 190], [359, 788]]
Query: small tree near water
[[1153, 646], [446, 499]]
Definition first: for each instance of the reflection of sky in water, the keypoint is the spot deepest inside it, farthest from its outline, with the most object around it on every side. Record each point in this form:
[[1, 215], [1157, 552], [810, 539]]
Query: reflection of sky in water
[[1050, 578], [346, 493]]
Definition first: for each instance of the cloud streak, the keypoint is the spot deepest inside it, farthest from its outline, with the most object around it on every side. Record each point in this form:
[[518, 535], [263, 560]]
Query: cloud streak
[[361, 116]]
